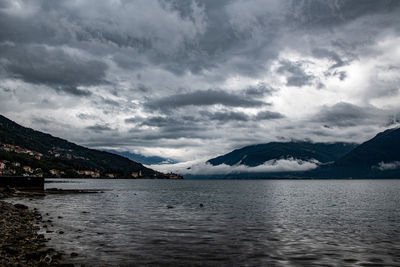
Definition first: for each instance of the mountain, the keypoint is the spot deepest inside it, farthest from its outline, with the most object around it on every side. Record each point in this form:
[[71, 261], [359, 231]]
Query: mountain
[[384, 147], [256, 155], [53, 155], [142, 159], [378, 157]]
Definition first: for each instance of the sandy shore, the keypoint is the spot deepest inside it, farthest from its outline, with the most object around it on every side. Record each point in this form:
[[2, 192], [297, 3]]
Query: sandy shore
[[20, 243]]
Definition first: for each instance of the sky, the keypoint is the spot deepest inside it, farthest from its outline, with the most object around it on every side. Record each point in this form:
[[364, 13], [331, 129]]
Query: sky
[[190, 80]]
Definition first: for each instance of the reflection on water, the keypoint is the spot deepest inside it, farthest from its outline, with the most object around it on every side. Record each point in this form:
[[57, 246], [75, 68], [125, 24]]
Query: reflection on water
[[246, 222]]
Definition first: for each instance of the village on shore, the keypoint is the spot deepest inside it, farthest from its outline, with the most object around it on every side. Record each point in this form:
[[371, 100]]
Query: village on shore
[[16, 168]]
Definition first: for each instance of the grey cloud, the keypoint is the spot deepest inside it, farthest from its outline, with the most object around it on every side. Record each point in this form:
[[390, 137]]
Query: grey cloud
[[269, 115], [42, 121], [156, 50], [341, 74], [323, 14], [333, 56], [260, 90], [143, 88], [70, 90], [296, 75], [172, 128], [206, 34], [203, 98], [160, 121], [349, 115], [86, 116], [99, 128], [54, 68], [226, 116], [111, 102], [133, 120]]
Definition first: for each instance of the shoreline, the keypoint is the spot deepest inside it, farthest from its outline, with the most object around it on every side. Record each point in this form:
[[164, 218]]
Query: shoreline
[[20, 243]]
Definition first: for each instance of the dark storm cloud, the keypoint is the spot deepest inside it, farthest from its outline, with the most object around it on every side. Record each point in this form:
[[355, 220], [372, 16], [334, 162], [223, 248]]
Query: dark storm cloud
[[131, 63], [203, 98], [225, 116], [208, 39], [99, 128], [232, 116], [70, 90], [349, 115], [260, 90], [269, 115], [170, 128], [42, 121], [54, 68], [326, 14], [160, 121], [133, 120], [341, 74], [331, 55], [143, 88], [296, 75]]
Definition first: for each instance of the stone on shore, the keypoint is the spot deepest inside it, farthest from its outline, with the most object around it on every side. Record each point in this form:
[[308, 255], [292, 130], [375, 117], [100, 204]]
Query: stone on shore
[[20, 245]]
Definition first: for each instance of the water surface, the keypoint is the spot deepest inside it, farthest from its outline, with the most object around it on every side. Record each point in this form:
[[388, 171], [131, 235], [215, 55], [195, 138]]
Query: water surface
[[242, 222]]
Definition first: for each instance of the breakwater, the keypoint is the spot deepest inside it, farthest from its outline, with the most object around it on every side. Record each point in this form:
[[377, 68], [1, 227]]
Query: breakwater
[[22, 182]]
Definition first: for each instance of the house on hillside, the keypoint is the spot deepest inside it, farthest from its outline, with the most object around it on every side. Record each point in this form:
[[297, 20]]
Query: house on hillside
[[28, 169], [54, 172], [136, 174], [93, 174]]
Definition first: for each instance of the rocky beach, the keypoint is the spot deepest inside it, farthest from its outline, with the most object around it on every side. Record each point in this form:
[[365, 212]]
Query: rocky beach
[[20, 243]]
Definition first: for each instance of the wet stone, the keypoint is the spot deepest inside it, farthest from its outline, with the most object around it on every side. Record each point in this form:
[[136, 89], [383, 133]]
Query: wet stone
[[20, 245], [20, 206]]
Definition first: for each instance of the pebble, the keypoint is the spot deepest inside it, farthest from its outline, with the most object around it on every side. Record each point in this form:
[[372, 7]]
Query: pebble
[[20, 206], [20, 245]]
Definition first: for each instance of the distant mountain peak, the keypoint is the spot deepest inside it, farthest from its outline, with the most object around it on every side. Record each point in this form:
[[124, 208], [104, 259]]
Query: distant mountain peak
[[147, 160]]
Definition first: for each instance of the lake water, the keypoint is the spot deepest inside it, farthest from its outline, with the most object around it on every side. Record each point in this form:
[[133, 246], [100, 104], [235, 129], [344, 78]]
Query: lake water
[[241, 223]]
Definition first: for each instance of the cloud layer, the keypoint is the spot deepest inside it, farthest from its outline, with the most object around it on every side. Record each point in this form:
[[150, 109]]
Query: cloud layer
[[271, 166], [198, 78]]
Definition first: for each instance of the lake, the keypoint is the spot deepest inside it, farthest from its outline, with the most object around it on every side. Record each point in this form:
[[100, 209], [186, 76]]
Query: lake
[[240, 222]]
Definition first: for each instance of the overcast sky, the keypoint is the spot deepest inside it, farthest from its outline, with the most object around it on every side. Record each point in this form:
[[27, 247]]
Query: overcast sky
[[194, 79]]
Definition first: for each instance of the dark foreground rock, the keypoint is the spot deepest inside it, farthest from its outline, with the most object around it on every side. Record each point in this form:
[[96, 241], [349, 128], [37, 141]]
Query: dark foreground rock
[[20, 244]]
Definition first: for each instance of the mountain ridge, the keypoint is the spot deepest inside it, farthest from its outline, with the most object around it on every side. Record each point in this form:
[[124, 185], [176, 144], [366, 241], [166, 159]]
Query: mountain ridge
[[255, 155], [378, 157], [147, 160], [64, 156]]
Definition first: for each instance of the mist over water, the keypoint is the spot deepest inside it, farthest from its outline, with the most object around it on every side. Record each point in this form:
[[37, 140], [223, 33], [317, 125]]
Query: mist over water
[[242, 222]]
